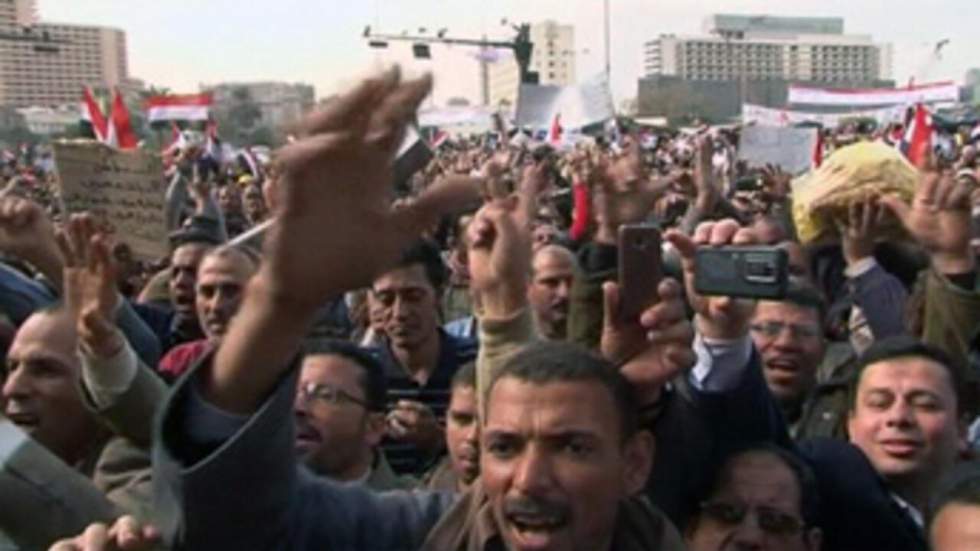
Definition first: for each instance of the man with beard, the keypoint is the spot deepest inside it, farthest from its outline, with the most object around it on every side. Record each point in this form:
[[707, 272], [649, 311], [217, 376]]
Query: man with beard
[[552, 273], [219, 283], [340, 416]]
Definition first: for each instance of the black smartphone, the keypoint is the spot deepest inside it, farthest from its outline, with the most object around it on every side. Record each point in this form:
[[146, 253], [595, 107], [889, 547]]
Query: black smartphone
[[640, 269], [745, 272]]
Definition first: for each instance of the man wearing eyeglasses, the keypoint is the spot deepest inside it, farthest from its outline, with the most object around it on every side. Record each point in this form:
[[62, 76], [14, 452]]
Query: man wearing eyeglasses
[[763, 499], [790, 341], [339, 416]]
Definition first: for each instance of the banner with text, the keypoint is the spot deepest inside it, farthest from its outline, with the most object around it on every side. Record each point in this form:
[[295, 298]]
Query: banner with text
[[123, 190], [926, 93], [790, 148], [768, 116]]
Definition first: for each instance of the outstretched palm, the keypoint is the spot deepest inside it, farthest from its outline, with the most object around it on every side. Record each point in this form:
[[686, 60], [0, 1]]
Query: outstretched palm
[[90, 281], [338, 176]]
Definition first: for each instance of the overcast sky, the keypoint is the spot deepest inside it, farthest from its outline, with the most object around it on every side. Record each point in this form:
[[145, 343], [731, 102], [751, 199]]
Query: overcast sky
[[183, 43]]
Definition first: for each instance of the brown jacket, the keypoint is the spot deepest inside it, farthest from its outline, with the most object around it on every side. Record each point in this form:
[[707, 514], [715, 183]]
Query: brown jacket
[[469, 526]]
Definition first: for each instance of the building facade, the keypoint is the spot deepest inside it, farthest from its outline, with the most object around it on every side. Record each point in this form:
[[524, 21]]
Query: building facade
[[754, 59], [281, 104], [770, 48], [553, 59], [48, 74]]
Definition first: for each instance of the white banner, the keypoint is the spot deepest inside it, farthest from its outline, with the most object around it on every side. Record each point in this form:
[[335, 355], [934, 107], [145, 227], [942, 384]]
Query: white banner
[[789, 148], [926, 93], [768, 116], [578, 106]]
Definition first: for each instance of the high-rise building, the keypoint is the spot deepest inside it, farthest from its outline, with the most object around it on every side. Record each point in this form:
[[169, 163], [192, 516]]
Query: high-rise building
[[741, 47], [553, 59], [281, 104], [53, 73]]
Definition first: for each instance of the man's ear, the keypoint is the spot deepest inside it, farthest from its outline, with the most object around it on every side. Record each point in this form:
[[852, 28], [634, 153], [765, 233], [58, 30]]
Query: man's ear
[[638, 455], [375, 429]]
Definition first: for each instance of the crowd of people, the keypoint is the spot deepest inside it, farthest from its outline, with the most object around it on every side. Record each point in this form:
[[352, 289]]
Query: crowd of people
[[326, 360]]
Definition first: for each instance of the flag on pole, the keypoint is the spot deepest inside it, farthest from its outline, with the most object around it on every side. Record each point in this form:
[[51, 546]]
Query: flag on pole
[[121, 133], [92, 114], [191, 107], [916, 144]]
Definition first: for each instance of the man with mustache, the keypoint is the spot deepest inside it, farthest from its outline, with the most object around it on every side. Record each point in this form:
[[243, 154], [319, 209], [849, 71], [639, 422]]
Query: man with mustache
[[563, 455], [552, 272], [340, 416]]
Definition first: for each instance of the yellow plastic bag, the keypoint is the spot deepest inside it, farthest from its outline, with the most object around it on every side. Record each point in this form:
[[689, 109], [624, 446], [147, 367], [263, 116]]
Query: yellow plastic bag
[[822, 197]]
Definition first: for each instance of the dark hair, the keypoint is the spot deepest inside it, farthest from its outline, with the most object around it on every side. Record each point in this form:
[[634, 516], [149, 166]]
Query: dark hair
[[961, 486], [427, 254], [553, 362], [373, 381], [809, 491], [801, 293], [904, 347], [465, 377]]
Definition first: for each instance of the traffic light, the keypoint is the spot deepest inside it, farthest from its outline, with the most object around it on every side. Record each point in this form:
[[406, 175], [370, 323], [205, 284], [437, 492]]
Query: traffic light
[[421, 51]]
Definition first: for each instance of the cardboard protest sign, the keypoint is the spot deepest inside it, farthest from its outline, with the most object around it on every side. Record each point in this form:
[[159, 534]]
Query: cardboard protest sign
[[790, 148], [123, 190]]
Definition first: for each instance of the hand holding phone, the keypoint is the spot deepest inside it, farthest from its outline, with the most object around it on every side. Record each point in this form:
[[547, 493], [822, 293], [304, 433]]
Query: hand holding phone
[[640, 268]]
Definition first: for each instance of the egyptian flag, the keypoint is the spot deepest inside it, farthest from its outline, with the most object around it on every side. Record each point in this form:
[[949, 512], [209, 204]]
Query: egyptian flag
[[818, 149], [92, 116], [121, 133], [413, 155], [916, 144], [554, 134], [190, 107], [439, 137]]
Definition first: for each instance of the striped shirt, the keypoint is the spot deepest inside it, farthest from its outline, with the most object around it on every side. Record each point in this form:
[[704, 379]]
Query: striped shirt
[[453, 354]]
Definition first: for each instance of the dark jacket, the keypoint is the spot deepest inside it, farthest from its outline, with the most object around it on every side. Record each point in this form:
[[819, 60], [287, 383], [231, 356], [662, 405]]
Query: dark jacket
[[857, 510]]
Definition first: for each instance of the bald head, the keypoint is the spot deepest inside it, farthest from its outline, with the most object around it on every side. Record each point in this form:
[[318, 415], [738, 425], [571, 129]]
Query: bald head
[[40, 389], [552, 274], [221, 279]]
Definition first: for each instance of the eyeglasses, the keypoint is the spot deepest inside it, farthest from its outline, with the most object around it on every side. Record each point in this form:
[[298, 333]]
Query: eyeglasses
[[774, 328], [772, 521], [327, 394]]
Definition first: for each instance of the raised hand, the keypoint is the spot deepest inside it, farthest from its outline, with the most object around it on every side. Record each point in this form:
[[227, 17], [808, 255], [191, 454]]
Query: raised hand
[[624, 193], [859, 235], [705, 183], [717, 317], [335, 228], [499, 257], [939, 220], [126, 534], [654, 348], [26, 232], [90, 276]]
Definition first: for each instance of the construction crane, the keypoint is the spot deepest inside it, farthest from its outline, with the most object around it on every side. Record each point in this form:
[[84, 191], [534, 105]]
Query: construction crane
[[521, 45]]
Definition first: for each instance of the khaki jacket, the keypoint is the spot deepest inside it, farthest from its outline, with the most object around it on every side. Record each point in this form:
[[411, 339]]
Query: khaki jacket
[[469, 526]]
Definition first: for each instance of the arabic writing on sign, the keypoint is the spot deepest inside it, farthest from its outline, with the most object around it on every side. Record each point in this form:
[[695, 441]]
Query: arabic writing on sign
[[123, 190]]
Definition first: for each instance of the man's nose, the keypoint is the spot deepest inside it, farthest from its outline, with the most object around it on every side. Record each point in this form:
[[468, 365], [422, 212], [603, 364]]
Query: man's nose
[[533, 474], [748, 536]]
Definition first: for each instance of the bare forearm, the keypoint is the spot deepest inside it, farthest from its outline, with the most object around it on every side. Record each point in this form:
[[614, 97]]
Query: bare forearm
[[255, 353]]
